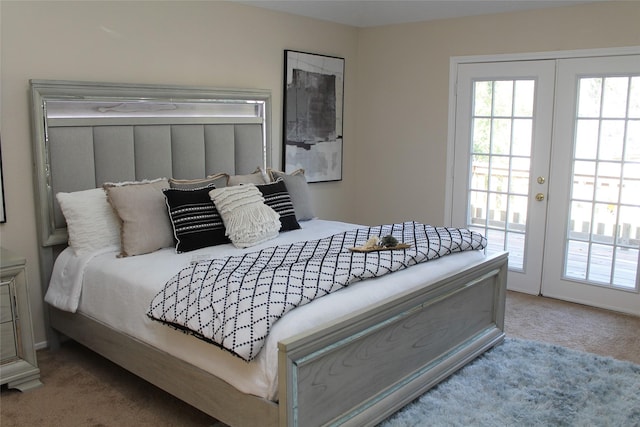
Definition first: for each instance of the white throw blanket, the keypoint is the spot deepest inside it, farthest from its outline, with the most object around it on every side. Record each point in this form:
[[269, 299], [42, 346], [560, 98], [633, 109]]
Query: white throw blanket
[[234, 301]]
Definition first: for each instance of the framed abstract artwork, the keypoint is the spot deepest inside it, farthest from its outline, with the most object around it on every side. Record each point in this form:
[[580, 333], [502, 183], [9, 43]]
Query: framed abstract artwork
[[313, 113], [3, 214]]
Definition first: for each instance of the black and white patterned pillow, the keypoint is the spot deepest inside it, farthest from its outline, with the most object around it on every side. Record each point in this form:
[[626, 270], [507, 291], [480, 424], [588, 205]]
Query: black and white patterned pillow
[[196, 221], [277, 198]]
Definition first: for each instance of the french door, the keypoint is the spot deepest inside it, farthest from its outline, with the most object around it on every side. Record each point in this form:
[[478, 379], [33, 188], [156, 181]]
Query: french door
[[547, 166]]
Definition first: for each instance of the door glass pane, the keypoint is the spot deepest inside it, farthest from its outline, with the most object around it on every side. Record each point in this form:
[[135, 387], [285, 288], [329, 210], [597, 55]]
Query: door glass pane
[[499, 178], [519, 177], [500, 163], [590, 97], [502, 98], [587, 139], [611, 139], [481, 135], [583, 180], [634, 98], [482, 101], [630, 183], [580, 219], [501, 136], [524, 98], [603, 237], [632, 145], [576, 267], [614, 99], [522, 135]]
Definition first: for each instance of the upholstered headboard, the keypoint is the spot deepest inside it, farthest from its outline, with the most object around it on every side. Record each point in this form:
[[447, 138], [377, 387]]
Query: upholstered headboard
[[86, 134]]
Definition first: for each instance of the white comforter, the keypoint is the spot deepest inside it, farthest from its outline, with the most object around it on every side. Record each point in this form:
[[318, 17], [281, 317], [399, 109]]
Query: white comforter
[[117, 292]]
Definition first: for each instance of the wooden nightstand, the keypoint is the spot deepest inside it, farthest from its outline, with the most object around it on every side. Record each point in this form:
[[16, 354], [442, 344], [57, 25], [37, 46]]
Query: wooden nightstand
[[18, 364]]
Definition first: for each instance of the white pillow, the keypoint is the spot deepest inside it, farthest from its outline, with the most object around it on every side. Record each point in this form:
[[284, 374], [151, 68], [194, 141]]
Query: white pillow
[[247, 219], [91, 221]]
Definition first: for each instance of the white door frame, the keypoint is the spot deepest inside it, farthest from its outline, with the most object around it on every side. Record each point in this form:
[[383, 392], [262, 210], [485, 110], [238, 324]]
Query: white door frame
[[453, 72]]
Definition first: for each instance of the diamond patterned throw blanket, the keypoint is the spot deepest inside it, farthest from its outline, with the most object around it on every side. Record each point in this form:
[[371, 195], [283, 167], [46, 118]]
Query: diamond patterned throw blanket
[[233, 301]]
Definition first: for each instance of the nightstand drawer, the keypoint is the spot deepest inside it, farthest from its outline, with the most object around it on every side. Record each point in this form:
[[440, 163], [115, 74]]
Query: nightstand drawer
[[8, 349]]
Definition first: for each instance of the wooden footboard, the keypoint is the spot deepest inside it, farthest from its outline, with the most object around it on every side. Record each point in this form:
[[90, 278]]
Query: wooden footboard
[[362, 368], [355, 371]]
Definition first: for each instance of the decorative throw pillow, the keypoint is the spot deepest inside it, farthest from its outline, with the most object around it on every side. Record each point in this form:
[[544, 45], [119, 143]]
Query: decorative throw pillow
[[143, 212], [91, 221], [218, 180], [299, 190], [257, 177], [246, 217], [195, 219], [277, 198]]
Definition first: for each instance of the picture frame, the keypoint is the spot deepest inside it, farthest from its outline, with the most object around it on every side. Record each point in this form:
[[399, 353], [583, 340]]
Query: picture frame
[[3, 211], [313, 115]]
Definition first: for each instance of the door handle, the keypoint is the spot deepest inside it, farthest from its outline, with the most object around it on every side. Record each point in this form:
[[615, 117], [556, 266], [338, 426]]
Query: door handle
[[539, 197]]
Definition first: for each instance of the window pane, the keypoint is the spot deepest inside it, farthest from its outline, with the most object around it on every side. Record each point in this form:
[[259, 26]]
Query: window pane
[[501, 136], [499, 174], [577, 260], [600, 264], [614, 98], [624, 273], [519, 176], [478, 208], [481, 135], [608, 182], [480, 173], [612, 139], [482, 99], [518, 213], [630, 184], [589, 97], [497, 210], [525, 90], [587, 139], [603, 223], [634, 98], [632, 149], [580, 220], [583, 180], [522, 133], [629, 228], [515, 246], [495, 241], [503, 98]]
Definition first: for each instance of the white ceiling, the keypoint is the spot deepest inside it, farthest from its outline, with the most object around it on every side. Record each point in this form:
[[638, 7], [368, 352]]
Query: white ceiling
[[369, 13]]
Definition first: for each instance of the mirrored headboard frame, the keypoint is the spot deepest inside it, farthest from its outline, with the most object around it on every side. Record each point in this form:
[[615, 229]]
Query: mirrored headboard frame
[[74, 104]]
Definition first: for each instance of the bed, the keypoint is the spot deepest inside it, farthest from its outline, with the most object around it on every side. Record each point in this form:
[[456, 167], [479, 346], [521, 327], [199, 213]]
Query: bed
[[354, 367]]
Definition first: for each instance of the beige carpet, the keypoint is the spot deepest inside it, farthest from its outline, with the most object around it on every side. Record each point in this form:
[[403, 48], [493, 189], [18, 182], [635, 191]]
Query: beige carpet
[[83, 389]]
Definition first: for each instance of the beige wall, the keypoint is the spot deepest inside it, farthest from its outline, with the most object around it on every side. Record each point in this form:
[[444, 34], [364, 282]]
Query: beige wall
[[396, 85], [215, 44], [403, 84]]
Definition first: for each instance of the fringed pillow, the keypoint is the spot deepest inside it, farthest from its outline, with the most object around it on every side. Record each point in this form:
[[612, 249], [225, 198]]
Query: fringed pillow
[[247, 219]]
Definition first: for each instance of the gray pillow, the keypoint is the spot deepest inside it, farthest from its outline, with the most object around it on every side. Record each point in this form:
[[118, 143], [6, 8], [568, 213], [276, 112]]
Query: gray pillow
[[257, 178], [298, 189], [219, 180]]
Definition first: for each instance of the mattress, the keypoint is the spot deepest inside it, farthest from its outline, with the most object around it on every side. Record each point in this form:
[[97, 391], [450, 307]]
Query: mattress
[[117, 292]]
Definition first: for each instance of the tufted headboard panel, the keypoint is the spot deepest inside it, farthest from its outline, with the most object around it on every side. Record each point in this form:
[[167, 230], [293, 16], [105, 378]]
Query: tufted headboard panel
[[86, 134]]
